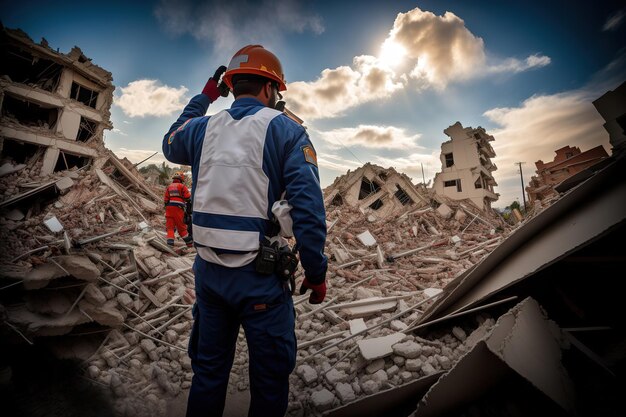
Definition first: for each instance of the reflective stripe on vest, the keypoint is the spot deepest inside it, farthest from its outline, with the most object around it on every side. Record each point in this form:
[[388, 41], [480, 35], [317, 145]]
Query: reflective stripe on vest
[[174, 192], [231, 183]]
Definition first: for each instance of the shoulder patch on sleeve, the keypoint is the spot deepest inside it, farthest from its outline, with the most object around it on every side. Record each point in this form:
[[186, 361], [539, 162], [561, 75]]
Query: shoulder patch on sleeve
[[309, 154], [180, 128]]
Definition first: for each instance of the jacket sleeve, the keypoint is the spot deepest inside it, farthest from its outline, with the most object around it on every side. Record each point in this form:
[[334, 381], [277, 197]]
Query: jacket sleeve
[[185, 194], [166, 196], [180, 141], [304, 194]]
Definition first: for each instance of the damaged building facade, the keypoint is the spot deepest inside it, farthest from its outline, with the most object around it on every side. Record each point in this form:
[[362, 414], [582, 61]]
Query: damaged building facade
[[52, 104], [467, 167], [567, 162], [377, 191]]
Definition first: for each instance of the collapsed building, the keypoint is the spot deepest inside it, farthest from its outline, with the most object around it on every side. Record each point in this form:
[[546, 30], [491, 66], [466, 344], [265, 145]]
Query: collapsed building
[[467, 167], [567, 162], [51, 103], [378, 192], [85, 271], [431, 300]]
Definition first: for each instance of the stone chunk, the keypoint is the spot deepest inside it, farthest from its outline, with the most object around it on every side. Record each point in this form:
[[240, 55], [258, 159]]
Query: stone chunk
[[307, 373], [413, 365], [334, 376], [375, 366], [459, 333], [408, 350], [94, 295], [322, 400], [345, 392]]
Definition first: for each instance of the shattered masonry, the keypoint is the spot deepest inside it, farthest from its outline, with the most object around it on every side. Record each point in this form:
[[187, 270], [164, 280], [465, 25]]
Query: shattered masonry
[[90, 277], [567, 162], [84, 269]]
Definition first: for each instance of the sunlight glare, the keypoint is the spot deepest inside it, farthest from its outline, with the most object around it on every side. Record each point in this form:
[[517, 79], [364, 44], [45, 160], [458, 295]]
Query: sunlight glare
[[391, 53]]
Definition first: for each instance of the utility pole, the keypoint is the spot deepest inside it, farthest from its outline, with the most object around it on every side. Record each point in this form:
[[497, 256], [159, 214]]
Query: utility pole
[[522, 179], [423, 178]]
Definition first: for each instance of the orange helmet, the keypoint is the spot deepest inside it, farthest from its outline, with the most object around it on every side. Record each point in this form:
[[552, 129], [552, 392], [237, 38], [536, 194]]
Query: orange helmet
[[179, 175], [254, 59]]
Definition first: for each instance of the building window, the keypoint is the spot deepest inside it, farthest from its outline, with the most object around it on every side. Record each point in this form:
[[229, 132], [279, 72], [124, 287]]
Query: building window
[[449, 159], [69, 161], [23, 67], [376, 204], [458, 186], [478, 183], [402, 196], [337, 200], [20, 152], [29, 114], [368, 187], [86, 130], [451, 183], [84, 95]]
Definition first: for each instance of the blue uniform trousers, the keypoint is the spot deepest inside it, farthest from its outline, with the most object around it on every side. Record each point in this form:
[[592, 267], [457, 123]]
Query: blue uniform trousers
[[225, 299]]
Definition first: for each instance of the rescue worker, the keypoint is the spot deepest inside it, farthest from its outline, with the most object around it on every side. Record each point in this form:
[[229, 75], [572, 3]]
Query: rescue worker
[[176, 196], [244, 159]]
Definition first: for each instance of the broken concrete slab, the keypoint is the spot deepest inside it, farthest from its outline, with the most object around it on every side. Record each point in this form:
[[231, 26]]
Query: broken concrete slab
[[519, 337], [379, 347], [64, 183], [368, 307]]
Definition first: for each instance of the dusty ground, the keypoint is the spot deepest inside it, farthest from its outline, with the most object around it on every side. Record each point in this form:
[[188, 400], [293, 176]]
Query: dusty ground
[[236, 405]]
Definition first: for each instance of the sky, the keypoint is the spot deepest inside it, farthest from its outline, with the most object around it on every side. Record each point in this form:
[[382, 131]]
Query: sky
[[374, 81]]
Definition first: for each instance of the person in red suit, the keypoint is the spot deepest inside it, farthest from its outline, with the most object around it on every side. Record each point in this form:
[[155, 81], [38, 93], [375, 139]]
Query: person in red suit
[[176, 197]]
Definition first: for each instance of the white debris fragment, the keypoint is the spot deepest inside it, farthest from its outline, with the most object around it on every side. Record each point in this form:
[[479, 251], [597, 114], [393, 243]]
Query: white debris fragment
[[379, 347], [367, 238], [459, 333]]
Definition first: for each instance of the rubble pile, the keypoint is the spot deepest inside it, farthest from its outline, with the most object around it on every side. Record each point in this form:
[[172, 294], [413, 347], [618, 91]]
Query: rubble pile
[[86, 272], [383, 272]]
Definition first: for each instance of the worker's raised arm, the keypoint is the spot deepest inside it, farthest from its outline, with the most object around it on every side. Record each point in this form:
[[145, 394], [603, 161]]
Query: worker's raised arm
[[179, 145]]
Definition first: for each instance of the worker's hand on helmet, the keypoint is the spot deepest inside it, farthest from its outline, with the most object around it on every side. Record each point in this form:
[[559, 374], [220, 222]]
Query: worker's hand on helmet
[[318, 291], [212, 90]]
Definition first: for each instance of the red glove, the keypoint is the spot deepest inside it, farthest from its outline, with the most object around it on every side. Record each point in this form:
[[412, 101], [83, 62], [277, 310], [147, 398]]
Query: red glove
[[211, 89], [318, 291]]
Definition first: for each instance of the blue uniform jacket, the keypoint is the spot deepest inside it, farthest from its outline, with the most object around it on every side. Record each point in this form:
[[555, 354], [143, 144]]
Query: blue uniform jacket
[[289, 162]]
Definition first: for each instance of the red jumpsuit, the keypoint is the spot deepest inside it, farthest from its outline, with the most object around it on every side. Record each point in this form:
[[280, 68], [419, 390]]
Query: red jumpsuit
[[175, 197]]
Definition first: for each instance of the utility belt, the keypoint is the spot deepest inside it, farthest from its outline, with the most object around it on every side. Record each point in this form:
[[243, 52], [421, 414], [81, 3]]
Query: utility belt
[[275, 259]]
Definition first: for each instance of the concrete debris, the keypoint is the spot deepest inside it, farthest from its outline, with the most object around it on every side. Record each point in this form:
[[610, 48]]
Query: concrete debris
[[75, 229], [103, 268]]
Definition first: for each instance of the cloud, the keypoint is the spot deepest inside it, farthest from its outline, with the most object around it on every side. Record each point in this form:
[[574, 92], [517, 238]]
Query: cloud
[[369, 136], [342, 88], [138, 155], [614, 21], [422, 50], [119, 132], [538, 127], [230, 24], [336, 163], [150, 98], [515, 65]]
